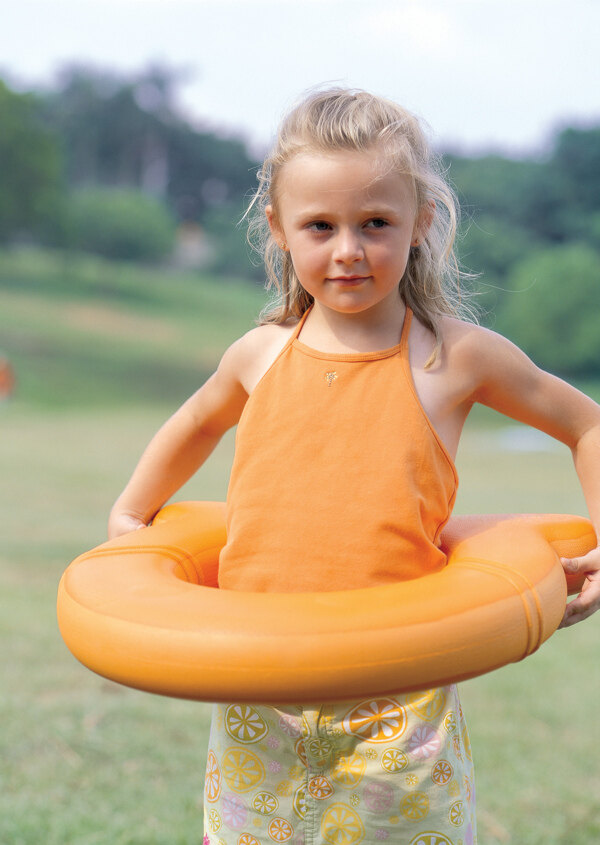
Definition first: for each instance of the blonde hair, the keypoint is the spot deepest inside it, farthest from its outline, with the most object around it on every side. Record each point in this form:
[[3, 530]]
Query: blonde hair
[[347, 119]]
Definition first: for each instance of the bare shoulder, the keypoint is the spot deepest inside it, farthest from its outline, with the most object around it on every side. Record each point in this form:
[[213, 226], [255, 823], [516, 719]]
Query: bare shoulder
[[493, 368], [471, 360], [252, 354], [478, 351], [461, 345], [460, 337]]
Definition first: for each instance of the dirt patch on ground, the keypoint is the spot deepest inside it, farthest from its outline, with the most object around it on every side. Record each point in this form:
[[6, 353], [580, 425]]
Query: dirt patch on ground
[[109, 321]]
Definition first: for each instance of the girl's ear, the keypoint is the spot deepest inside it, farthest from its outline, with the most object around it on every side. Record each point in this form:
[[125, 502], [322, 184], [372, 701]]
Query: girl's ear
[[423, 222], [274, 226]]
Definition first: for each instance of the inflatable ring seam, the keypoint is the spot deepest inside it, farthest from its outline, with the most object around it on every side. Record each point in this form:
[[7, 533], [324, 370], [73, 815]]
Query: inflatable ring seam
[[527, 596], [185, 559]]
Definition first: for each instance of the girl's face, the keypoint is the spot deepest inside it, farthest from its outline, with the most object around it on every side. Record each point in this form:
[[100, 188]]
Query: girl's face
[[348, 223]]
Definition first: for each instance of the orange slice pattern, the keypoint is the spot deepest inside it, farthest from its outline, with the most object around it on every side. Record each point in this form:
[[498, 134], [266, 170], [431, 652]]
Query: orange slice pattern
[[299, 805], [320, 788], [376, 720], [280, 830], [212, 783], [300, 749], [442, 773], [466, 741]]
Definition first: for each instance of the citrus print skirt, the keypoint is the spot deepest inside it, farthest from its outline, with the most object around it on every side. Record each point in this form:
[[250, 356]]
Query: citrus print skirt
[[389, 768]]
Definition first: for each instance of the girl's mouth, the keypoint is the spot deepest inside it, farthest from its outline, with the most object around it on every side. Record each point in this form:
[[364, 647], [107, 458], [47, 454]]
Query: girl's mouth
[[348, 280]]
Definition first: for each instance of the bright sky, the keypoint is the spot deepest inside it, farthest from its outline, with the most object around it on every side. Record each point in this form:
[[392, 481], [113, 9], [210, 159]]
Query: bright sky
[[483, 73]]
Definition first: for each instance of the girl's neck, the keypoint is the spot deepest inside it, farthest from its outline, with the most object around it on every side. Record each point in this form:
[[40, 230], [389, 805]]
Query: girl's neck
[[366, 331]]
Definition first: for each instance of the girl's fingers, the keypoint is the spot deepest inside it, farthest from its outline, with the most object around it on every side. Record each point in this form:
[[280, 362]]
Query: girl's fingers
[[585, 604]]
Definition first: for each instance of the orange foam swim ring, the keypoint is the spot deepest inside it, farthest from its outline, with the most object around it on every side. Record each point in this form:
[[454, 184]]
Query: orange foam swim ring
[[143, 610]]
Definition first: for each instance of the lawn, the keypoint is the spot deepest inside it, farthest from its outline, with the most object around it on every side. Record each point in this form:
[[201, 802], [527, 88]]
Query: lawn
[[85, 761]]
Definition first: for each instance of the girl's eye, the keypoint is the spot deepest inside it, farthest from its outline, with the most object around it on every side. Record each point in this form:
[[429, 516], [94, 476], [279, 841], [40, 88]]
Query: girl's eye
[[319, 226], [377, 223]]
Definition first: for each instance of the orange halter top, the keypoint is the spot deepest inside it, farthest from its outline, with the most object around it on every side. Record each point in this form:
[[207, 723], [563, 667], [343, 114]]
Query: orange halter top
[[339, 480]]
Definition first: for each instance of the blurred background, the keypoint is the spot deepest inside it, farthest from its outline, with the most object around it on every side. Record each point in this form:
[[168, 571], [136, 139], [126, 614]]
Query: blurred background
[[131, 132]]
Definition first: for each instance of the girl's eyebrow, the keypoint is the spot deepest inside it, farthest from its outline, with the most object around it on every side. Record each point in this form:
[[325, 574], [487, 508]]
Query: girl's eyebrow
[[317, 213]]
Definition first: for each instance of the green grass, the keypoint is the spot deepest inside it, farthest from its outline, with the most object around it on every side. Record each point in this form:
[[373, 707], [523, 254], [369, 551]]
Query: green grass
[[83, 331], [86, 762]]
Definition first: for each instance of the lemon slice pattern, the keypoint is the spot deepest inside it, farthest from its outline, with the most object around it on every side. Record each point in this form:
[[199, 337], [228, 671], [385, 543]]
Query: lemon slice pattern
[[415, 806], [393, 760], [244, 724], [431, 838], [349, 770], [427, 705], [340, 825], [242, 769], [265, 803]]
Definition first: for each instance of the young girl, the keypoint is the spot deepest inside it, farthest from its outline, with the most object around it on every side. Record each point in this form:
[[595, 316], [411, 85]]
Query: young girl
[[351, 397]]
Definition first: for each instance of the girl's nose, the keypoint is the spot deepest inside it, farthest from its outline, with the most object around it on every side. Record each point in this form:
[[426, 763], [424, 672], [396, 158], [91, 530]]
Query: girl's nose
[[348, 248]]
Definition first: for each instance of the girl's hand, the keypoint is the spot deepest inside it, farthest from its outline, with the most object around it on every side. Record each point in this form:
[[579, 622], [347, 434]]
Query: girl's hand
[[122, 523], [588, 601]]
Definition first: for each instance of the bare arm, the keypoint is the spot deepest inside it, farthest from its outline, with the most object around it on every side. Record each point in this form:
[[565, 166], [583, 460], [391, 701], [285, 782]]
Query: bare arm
[[182, 445], [509, 382]]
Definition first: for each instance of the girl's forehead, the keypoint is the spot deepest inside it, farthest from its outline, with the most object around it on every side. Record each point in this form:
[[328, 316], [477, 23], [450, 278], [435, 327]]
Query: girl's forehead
[[344, 171], [372, 163]]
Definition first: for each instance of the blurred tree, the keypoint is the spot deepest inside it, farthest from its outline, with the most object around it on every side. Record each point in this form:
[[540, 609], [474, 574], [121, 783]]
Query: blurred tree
[[553, 200], [514, 213], [128, 132], [119, 223], [495, 186], [489, 245], [234, 256], [553, 310], [576, 161], [113, 131], [31, 185]]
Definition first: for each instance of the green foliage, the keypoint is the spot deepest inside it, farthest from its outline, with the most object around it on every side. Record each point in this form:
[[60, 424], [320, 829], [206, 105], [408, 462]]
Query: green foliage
[[119, 223], [30, 168], [576, 162], [127, 131], [233, 253], [491, 244], [495, 185], [532, 231], [554, 310]]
